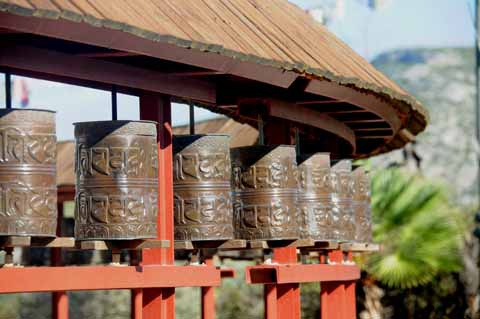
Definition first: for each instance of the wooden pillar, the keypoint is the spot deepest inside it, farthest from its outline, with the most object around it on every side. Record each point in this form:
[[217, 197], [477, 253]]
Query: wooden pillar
[[160, 303], [281, 301], [208, 298], [287, 295], [59, 298], [336, 297], [136, 303], [270, 297]]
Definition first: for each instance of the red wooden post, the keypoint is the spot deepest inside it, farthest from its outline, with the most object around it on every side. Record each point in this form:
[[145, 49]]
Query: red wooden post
[[333, 296], [59, 298], [287, 295], [160, 303], [270, 296], [136, 304], [208, 298]]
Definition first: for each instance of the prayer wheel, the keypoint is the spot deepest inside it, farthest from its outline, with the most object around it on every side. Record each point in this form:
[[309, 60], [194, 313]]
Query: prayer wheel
[[28, 173], [202, 187], [314, 197], [116, 167], [265, 192], [342, 209], [361, 206]]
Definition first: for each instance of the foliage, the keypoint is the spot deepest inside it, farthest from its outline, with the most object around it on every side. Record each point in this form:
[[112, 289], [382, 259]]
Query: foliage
[[420, 233]]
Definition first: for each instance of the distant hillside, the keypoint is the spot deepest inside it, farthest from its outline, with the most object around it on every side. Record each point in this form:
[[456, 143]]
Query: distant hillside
[[443, 80]]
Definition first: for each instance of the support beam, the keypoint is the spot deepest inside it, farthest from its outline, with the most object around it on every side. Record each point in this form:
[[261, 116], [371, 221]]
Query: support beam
[[300, 114], [72, 278], [363, 100], [124, 41], [107, 54], [51, 64], [160, 303]]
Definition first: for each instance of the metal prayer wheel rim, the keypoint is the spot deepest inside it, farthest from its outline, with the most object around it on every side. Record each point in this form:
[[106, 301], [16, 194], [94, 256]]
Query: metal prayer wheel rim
[[114, 121], [5, 110]]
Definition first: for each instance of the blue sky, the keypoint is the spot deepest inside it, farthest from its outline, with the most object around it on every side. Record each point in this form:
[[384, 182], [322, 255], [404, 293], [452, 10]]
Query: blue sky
[[402, 24]]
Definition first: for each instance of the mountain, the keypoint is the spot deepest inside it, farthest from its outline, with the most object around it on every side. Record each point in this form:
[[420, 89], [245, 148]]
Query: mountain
[[444, 81]]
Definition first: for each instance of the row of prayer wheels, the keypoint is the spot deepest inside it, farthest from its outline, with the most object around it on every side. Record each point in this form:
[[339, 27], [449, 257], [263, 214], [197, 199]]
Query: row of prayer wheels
[[255, 192], [260, 193]]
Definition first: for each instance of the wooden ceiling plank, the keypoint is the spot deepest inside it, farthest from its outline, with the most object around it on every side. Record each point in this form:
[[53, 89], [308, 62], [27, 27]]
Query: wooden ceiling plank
[[362, 100], [75, 67], [308, 102], [303, 115]]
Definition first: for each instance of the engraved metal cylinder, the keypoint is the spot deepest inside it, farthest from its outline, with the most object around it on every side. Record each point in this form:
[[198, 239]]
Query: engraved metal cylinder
[[265, 192], [202, 191], [361, 206], [314, 197], [28, 206], [116, 168], [343, 217]]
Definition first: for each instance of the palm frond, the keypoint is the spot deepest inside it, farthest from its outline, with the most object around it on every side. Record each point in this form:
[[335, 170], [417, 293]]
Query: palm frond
[[420, 232]]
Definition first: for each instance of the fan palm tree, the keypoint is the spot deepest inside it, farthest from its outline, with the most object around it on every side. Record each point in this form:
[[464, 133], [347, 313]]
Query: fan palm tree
[[421, 234]]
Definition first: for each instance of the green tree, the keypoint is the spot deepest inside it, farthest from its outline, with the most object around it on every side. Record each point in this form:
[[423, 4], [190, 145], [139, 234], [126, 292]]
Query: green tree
[[420, 233]]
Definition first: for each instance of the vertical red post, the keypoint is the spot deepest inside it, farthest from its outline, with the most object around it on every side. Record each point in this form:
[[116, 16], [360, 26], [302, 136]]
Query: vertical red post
[[333, 296], [59, 298], [287, 295], [160, 303], [281, 301], [136, 304], [208, 298], [270, 296]]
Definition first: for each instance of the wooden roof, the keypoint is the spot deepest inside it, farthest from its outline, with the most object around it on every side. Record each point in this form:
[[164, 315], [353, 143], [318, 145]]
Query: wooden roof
[[233, 44], [240, 134]]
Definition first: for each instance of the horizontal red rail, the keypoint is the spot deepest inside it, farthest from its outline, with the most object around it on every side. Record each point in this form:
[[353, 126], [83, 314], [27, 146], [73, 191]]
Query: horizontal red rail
[[41, 279], [298, 273], [228, 272]]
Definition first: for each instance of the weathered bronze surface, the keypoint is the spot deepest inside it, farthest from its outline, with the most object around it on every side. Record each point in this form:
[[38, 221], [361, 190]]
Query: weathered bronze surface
[[201, 182], [314, 197], [265, 192], [116, 167], [28, 205], [361, 205], [342, 193]]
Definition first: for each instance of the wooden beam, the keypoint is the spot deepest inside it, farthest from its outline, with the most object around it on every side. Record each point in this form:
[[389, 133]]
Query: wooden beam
[[319, 102], [52, 64], [301, 114], [363, 100], [107, 54], [365, 121], [8, 31], [124, 41], [196, 73], [43, 279], [346, 112]]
